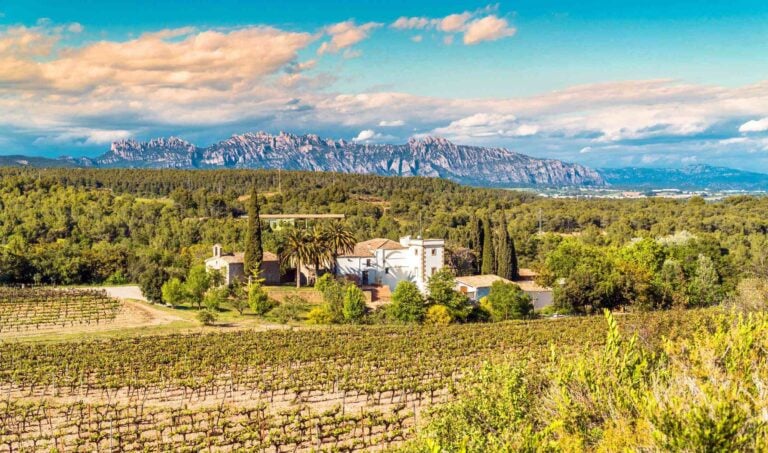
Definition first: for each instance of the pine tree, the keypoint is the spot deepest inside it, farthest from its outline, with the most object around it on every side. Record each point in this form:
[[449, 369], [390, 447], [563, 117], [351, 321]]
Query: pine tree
[[489, 258], [476, 242], [254, 252]]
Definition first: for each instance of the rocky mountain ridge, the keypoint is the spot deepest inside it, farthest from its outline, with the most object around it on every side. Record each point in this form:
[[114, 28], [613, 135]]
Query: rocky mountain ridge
[[427, 156]]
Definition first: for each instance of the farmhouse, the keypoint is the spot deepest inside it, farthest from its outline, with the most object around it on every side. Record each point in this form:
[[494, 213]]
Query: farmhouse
[[387, 262], [478, 286], [231, 266]]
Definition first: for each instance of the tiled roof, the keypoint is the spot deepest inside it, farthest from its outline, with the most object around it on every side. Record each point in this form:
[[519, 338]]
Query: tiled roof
[[239, 257], [481, 281], [369, 247]]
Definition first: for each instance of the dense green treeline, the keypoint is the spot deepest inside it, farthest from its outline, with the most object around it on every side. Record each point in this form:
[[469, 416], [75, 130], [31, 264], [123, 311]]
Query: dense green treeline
[[83, 225]]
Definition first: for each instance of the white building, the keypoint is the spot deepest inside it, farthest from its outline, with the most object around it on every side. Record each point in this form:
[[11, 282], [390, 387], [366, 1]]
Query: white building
[[386, 262]]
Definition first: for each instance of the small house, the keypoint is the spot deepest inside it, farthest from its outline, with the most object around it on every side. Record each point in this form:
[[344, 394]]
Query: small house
[[232, 267], [477, 286]]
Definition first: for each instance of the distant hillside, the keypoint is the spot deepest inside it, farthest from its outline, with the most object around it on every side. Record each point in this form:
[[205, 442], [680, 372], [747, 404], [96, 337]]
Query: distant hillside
[[693, 177], [26, 161]]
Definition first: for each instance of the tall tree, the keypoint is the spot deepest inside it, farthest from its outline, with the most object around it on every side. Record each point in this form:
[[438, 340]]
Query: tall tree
[[489, 258], [297, 251], [505, 253], [254, 251], [339, 240], [476, 242]]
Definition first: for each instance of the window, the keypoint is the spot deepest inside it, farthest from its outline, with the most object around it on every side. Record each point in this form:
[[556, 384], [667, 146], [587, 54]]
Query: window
[[386, 270], [434, 269], [368, 262], [416, 252], [434, 252]]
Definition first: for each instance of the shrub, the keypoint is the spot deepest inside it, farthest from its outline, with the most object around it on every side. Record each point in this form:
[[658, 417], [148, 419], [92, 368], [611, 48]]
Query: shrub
[[290, 310], [439, 315], [507, 301], [407, 303], [258, 300], [207, 317], [354, 304]]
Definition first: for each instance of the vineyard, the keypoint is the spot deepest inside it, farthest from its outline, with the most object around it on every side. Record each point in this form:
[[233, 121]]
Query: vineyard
[[338, 389], [24, 309]]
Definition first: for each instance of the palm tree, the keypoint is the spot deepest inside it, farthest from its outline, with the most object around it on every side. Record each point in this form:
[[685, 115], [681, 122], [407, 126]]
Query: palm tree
[[297, 251], [319, 249], [339, 240]]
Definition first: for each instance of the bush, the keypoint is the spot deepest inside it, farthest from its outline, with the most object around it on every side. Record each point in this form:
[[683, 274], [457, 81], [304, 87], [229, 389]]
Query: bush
[[507, 301], [354, 304], [438, 315], [207, 317], [258, 300], [407, 303], [320, 315], [291, 310]]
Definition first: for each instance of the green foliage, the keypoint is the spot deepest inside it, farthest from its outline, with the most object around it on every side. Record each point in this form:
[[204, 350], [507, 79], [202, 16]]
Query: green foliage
[[441, 290], [151, 283], [488, 257], [354, 307], [408, 304], [700, 394], [292, 309], [438, 315], [215, 297], [207, 317], [321, 315], [704, 288], [258, 300], [198, 282], [254, 249], [506, 256], [173, 292], [507, 301]]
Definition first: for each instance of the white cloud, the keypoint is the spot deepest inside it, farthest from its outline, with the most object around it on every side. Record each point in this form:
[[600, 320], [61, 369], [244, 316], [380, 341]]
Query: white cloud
[[486, 125], [365, 135], [476, 26], [371, 136], [394, 123], [489, 28], [75, 28], [345, 34], [454, 22], [760, 125]]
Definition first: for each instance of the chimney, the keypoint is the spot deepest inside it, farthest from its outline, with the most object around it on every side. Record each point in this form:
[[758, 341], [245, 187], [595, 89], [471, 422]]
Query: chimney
[[217, 251]]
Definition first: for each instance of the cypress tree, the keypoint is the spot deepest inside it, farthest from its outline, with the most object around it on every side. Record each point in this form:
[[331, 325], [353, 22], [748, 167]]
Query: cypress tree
[[502, 249], [254, 252], [476, 242], [489, 258]]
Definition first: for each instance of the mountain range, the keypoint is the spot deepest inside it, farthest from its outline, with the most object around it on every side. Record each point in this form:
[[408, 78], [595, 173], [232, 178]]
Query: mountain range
[[428, 156]]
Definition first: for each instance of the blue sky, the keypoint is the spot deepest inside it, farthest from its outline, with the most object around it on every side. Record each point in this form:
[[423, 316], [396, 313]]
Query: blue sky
[[655, 83]]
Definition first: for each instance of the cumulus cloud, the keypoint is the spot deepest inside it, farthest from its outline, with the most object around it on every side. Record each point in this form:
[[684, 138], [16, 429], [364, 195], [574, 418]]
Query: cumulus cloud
[[476, 26], [760, 125], [489, 28], [394, 123], [345, 34], [371, 136], [487, 125]]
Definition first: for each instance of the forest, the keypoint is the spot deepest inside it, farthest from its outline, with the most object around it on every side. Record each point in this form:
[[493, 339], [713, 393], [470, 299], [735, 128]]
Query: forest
[[82, 226]]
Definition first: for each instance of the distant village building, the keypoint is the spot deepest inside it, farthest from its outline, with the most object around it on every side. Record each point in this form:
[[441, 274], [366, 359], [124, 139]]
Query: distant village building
[[387, 262], [232, 268]]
